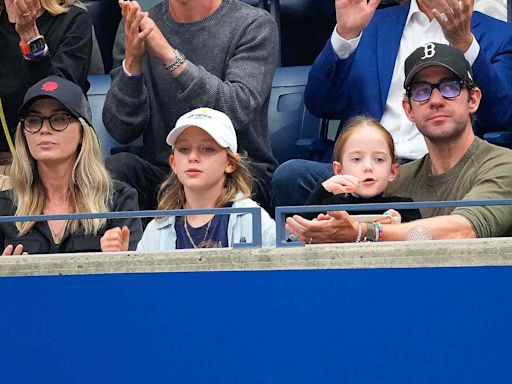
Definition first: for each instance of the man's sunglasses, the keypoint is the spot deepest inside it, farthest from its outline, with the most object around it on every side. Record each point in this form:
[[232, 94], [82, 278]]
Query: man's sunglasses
[[422, 90]]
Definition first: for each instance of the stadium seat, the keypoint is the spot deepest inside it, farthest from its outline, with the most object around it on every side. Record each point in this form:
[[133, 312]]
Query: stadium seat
[[100, 85], [503, 139], [294, 132]]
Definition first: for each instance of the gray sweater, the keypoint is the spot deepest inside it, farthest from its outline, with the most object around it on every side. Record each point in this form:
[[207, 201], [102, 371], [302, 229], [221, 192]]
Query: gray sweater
[[232, 56]]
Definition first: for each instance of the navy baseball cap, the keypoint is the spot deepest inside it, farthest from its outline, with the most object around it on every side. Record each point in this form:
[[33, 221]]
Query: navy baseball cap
[[438, 54], [64, 91]]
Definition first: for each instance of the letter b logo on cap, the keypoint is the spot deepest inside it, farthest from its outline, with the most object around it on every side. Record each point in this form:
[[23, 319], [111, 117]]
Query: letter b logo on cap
[[429, 51]]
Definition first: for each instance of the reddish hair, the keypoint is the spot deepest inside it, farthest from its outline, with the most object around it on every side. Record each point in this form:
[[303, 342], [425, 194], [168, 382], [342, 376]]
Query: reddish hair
[[350, 128]]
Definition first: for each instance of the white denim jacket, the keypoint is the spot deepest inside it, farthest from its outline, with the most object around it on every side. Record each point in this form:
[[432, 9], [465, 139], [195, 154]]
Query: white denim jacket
[[160, 235]]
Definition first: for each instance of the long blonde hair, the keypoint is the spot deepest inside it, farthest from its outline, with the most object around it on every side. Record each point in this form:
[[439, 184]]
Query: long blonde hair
[[54, 7], [90, 185], [172, 193]]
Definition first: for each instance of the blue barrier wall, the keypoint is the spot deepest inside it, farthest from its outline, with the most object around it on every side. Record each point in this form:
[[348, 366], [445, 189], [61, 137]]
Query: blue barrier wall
[[425, 325]]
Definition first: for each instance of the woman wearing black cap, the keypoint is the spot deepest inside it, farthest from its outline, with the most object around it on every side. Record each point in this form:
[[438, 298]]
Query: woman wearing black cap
[[39, 38], [58, 169]]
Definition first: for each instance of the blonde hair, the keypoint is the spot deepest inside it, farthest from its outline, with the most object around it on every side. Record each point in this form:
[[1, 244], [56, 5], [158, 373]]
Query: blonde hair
[[90, 185], [172, 193], [54, 7]]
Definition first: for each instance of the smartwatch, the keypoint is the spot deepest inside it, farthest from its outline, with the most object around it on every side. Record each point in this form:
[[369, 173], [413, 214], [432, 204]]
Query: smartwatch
[[34, 49]]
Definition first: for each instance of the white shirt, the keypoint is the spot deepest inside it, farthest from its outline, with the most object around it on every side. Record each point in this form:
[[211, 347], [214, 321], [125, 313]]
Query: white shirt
[[409, 143]]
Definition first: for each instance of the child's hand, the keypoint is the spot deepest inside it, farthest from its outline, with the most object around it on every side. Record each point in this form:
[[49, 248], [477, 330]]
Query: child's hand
[[393, 217], [115, 240], [341, 184]]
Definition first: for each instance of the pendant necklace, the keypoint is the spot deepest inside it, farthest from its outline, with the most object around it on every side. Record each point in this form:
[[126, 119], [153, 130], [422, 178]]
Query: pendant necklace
[[57, 236], [185, 224]]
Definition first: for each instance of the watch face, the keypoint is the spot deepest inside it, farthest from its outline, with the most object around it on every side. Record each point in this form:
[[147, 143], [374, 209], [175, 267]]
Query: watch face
[[36, 45]]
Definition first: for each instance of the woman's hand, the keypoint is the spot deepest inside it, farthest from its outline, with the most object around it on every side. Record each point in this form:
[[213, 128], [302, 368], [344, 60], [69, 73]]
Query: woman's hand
[[115, 240], [22, 12], [11, 251]]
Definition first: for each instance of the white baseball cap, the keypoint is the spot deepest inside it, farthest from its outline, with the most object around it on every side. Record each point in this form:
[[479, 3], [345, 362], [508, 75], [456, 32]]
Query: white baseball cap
[[217, 124]]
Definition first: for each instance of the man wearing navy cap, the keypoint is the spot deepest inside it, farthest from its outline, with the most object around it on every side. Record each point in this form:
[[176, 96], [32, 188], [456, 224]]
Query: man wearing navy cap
[[360, 71], [440, 99]]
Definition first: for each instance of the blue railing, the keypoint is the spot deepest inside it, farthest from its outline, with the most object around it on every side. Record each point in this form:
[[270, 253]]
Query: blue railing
[[281, 212], [255, 212]]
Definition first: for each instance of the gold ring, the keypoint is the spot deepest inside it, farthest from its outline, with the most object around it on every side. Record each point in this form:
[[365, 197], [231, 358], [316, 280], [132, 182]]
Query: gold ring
[[26, 14]]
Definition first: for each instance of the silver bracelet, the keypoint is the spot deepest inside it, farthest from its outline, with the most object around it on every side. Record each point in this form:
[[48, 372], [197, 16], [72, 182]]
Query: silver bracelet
[[359, 232], [180, 59]]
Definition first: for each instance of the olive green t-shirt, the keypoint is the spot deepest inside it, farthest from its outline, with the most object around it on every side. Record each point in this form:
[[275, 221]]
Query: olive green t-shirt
[[484, 172]]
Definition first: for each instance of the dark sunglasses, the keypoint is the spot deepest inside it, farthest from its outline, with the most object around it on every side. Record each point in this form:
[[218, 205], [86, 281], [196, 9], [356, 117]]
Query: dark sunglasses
[[422, 91]]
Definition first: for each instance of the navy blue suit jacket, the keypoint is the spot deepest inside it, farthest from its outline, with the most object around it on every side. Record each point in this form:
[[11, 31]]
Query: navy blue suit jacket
[[340, 89]]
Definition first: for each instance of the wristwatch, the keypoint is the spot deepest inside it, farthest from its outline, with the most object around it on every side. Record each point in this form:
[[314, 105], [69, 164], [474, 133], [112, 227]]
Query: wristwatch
[[180, 59], [34, 49]]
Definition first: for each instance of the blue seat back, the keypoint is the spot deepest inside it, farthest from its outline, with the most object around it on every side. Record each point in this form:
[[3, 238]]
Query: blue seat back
[[294, 132], [503, 139], [100, 85]]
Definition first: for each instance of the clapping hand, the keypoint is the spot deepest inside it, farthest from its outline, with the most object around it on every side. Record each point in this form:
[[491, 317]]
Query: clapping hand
[[115, 240]]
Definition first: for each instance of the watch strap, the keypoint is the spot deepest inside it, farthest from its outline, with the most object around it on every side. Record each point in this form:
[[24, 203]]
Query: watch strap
[[28, 54]]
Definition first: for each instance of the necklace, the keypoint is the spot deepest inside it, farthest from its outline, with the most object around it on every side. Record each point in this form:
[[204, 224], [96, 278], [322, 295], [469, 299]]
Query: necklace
[[58, 235], [185, 224]]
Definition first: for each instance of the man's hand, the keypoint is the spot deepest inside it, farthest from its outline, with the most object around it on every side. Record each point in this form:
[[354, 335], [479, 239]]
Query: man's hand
[[115, 240], [11, 251], [454, 17], [134, 35], [352, 16], [339, 184], [335, 227], [158, 46]]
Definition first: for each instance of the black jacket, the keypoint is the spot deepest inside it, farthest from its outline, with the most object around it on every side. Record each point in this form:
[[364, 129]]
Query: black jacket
[[320, 196], [40, 241]]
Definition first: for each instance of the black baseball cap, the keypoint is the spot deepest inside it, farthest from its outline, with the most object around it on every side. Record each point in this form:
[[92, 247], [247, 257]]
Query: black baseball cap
[[438, 54], [64, 91]]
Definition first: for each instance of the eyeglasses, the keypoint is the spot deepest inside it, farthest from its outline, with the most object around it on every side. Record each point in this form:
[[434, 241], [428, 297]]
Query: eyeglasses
[[422, 91], [58, 122]]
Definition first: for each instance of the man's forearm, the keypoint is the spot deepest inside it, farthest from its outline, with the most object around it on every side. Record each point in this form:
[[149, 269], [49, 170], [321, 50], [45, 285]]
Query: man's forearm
[[437, 228]]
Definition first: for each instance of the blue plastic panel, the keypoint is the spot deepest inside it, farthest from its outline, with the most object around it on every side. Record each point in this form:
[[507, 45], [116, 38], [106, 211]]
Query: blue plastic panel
[[432, 325]]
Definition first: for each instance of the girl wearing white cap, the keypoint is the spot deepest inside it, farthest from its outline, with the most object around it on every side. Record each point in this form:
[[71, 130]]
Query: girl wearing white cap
[[207, 173]]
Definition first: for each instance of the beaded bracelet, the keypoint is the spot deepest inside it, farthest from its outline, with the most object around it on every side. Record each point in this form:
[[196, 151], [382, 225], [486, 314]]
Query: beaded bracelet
[[379, 232]]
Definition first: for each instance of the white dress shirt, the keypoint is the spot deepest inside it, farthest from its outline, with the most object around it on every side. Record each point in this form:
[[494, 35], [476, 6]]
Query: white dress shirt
[[409, 143]]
